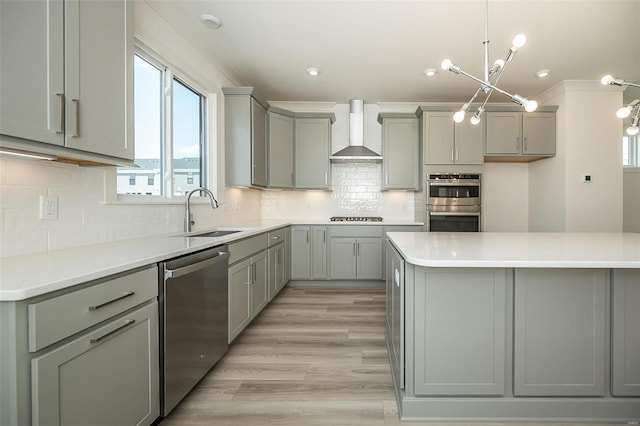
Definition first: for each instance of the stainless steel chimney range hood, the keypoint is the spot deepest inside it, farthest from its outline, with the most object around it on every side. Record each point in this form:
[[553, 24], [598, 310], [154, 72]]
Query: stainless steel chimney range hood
[[356, 151]]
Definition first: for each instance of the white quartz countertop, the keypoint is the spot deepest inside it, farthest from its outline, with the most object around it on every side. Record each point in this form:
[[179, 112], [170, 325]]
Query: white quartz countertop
[[519, 250], [22, 277]]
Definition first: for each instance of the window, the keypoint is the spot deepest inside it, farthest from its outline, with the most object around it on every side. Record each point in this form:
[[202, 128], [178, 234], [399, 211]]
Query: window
[[630, 151], [170, 133]]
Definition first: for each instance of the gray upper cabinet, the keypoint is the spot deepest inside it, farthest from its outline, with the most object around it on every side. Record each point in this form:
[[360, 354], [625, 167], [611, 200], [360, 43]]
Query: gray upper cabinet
[[281, 160], [448, 142], [401, 166], [73, 87], [559, 332], [528, 135], [625, 337], [312, 149], [245, 137]]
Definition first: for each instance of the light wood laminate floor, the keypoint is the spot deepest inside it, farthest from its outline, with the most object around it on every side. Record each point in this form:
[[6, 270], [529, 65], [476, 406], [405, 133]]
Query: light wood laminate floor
[[314, 356]]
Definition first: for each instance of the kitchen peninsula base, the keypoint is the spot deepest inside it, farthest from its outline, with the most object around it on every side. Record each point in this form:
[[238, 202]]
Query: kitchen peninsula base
[[481, 328]]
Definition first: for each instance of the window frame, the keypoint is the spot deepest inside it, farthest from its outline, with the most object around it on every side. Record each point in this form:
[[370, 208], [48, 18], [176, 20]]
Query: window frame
[[208, 144]]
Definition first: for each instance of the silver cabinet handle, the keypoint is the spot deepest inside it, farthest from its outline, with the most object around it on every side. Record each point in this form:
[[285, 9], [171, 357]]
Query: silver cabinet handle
[[176, 273], [127, 323], [61, 112], [324, 237], [517, 142], [452, 154], [307, 237], [326, 178], [357, 249], [354, 249], [108, 302], [525, 145], [457, 154], [76, 133], [277, 237]]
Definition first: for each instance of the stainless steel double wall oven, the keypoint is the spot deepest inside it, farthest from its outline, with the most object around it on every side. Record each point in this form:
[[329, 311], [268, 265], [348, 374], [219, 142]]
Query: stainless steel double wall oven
[[453, 202]]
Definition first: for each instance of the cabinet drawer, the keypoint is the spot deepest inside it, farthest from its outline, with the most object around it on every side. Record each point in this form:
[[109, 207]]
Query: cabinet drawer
[[356, 231], [59, 317], [245, 248], [276, 237]]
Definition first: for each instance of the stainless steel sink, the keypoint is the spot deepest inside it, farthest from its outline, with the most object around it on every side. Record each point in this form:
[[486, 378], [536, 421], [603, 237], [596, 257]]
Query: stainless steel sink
[[213, 234]]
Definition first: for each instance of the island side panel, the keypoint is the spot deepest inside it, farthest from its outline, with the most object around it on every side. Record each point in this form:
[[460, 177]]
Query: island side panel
[[559, 338], [626, 332], [460, 331]]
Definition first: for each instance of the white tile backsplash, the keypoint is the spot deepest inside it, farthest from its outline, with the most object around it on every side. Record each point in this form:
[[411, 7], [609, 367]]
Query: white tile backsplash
[[356, 191], [83, 215]]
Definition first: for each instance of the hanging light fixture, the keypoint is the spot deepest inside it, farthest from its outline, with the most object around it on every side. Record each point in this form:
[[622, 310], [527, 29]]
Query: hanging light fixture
[[491, 76], [632, 108]]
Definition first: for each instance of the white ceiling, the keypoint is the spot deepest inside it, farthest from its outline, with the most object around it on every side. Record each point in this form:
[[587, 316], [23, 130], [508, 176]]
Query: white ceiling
[[378, 50]]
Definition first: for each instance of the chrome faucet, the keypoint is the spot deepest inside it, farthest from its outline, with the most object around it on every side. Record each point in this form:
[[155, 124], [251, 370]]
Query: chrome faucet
[[187, 218]]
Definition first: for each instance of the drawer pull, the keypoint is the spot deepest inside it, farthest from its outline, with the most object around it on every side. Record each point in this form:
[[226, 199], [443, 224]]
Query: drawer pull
[[127, 323], [108, 302], [277, 237]]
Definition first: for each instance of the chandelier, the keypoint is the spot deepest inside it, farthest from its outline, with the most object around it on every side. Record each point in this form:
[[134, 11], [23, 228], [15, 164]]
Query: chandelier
[[488, 84], [632, 108]]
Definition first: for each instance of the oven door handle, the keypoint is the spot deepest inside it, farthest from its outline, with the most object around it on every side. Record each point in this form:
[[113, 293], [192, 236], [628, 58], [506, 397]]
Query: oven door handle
[[459, 183], [454, 214]]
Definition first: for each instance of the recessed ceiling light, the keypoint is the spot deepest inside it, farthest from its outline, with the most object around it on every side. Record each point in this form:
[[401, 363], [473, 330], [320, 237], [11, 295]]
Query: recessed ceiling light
[[313, 71], [543, 73], [430, 72], [211, 21]]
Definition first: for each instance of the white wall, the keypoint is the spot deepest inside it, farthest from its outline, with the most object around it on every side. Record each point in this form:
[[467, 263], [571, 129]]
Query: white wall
[[631, 190], [89, 212], [588, 142], [505, 195]]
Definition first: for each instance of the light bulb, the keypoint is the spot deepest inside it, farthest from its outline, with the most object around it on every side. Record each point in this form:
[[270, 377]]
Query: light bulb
[[475, 120], [606, 80], [446, 64], [313, 71], [458, 117], [623, 112], [530, 106], [519, 41], [633, 130]]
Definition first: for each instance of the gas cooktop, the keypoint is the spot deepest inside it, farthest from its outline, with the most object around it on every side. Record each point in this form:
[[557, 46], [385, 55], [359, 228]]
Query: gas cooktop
[[356, 219]]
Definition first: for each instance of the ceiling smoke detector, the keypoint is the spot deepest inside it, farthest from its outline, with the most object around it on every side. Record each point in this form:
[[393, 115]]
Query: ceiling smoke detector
[[211, 21]]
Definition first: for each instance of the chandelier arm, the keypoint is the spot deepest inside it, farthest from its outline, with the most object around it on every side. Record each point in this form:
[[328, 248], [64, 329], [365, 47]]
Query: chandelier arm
[[628, 83], [485, 83]]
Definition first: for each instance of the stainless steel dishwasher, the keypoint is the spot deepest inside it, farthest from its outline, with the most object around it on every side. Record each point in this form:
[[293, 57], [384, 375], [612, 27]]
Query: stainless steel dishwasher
[[193, 320]]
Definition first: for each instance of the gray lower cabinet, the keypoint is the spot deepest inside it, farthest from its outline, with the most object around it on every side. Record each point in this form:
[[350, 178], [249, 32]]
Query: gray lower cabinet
[[101, 378], [308, 252], [625, 334], [88, 355], [248, 281], [276, 269], [559, 332], [459, 331], [395, 314], [287, 254], [312, 149], [356, 258]]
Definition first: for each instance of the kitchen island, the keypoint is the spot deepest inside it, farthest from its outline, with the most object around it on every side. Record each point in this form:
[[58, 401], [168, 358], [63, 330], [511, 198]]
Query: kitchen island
[[514, 326]]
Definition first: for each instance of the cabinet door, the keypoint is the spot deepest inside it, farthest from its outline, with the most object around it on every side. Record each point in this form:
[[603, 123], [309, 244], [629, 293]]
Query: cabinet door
[[369, 258], [539, 133], [460, 331], [280, 151], [395, 314], [438, 137], [343, 258], [106, 377], [312, 144], [32, 70], [99, 77], [300, 252], [259, 280], [401, 154], [258, 144], [559, 332], [287, 255], [319, 252], [469, 143], [239, 308], [503, 133], [276, 270], [625, 353]]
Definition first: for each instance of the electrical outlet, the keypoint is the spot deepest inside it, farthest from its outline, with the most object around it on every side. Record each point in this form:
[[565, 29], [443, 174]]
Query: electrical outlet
[[48, 208]]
